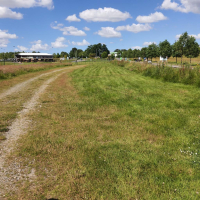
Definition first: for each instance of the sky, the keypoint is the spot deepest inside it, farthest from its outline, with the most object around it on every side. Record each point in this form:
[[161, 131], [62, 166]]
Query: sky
[[52, 26]]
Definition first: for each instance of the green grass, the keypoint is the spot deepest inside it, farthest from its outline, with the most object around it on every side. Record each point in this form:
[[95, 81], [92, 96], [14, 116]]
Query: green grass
[[111, 133], [185, 75]]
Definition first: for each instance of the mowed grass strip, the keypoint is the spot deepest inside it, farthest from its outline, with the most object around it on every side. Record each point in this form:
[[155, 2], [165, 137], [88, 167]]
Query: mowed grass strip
[[114, 137]]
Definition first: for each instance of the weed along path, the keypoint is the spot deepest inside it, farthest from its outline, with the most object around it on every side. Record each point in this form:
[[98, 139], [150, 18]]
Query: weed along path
[[20, 126]]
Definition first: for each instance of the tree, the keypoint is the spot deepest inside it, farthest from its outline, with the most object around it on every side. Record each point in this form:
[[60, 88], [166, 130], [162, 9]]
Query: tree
[[116, 50], [144, 52], [124, 54], [54, 55], [57, 55], [181, 44], [73, 52], [119, 54], [130, 53], [165, 49], [64, 54], [97, 49], [112, 56], [192, 48], [92, 55], [104, 54], [152, 51], [175, 51]]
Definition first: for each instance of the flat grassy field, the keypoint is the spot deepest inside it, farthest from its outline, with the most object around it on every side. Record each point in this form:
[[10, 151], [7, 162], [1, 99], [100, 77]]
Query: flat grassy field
[[104, 132], [9, 71], [194, 61]]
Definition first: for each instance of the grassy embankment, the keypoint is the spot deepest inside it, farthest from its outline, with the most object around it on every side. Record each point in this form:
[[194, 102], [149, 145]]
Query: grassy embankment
[[109, 133], [9, 71]]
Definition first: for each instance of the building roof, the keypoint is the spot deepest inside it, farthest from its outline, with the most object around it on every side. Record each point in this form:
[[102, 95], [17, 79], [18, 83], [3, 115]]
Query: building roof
[[34, 54]]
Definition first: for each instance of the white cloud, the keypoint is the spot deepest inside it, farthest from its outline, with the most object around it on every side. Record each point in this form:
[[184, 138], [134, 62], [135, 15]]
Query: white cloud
[[108, 32], [195, 36], [135, 28], [21, 48], [121, 40], [73, 18], [37, 46], [104, 15], [137, 47], [148, 43], [153, 17], [83, 43], [86, 29], [3, 42], [5, 36], [185, 6], [111, 42], [59, 43], [7, 13], [71, 30], [178, 36], [27, 3]]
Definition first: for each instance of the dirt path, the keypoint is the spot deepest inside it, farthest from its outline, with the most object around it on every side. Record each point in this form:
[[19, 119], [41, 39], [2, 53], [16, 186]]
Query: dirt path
[[18, 128], [24, 84]]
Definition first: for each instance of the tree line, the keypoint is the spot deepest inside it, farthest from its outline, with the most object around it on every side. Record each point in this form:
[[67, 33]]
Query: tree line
[[185, 46], [96, 50]]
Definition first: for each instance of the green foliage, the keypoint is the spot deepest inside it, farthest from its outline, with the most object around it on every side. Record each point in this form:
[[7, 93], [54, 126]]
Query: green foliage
[[152, 51], [176, 51], [192, 48], [97, 49], [104, 54], [92, 55], [165, 49], [144, 52], [185, 75], [112, 56], [188, 46]]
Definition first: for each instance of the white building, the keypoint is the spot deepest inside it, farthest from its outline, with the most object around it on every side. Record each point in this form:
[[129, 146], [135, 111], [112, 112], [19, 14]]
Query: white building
[[34, 57]]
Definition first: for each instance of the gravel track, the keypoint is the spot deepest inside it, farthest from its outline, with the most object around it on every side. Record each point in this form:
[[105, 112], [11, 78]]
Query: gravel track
[[9, 174], [24, 84]]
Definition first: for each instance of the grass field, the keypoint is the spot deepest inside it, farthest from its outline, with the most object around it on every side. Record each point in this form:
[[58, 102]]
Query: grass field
[[9, 71], [104, 132], [171, 60]]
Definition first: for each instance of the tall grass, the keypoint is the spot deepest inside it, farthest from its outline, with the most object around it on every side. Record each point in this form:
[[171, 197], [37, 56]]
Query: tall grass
[[185, 75], [9, 71]]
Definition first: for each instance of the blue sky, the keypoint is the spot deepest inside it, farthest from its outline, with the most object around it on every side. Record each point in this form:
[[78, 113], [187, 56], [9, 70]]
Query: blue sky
[[53, 26]]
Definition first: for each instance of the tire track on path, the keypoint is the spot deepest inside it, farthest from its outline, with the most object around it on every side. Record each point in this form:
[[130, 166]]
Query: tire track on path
[[19, 127], [22, 85]]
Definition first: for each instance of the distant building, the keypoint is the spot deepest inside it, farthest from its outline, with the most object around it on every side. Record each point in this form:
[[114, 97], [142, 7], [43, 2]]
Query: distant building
[[163, 59], [34, 57], [114, 53]]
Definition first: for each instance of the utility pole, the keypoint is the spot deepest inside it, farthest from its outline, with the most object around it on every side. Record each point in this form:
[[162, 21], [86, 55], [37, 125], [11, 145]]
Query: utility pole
[[3, 55], [14, 55]]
